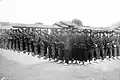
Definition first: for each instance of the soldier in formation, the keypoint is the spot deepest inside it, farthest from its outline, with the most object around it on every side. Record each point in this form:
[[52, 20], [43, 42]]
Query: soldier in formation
[[63, 46]]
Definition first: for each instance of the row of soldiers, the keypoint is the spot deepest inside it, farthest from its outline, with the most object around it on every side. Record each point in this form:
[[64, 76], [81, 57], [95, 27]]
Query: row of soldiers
[[63, 45]]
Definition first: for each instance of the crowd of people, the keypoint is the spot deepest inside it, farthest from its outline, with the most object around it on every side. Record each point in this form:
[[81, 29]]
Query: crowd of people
[[63, 45]]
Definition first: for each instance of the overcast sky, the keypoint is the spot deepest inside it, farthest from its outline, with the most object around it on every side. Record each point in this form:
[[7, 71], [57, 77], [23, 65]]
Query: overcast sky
[[96, 13]]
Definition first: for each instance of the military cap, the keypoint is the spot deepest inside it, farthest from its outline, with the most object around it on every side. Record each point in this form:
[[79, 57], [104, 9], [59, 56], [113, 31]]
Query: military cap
[[85, 30]]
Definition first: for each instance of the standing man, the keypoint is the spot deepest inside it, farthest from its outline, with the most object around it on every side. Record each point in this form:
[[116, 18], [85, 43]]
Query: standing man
[[67, 47], [118, 46], [90, 47], [82, 42], [96, 49]]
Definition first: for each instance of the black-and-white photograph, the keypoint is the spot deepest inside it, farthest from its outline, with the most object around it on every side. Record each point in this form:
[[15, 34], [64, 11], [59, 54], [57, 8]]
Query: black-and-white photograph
[[59, 40]]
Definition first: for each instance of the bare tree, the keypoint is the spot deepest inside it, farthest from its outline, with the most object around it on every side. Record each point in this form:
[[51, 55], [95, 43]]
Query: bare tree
[[39, 23], [78, 22]]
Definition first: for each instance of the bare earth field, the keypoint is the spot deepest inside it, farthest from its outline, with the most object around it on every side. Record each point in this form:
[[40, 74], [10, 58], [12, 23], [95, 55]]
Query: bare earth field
[[18, 66]]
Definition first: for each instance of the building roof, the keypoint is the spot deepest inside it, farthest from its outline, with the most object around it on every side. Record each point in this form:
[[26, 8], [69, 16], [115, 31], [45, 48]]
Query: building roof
[[15, 25], [68, 23]]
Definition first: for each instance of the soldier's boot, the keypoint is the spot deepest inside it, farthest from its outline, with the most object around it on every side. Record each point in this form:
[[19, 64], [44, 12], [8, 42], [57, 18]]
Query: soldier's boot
[[24, 52], [77, 62], [60, 61], [98, 60], [88, 61], [101, 60], [70, 62], [119, 57], [56, 60], [74, 62], [106, 58], [14, 50], [45, 57], [28, 53], [114, 58], [50, 59], [65, 64], [32, 53], [80, 62], [85, 63], [110, 59], [39, 56], [95, 61], [19, 51]]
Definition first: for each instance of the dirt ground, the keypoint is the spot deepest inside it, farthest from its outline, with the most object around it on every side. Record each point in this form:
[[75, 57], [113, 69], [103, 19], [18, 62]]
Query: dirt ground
[[18, 66]]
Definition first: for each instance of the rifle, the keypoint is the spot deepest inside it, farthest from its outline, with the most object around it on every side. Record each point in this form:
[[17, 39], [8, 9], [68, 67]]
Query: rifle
[[57, 37], [43, 38], [49, 36]]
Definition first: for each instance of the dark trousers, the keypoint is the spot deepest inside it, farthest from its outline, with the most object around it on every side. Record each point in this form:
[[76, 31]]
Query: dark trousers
[[110, 52], [106, 52], [18, 45], [90, 54], [101, 53], [115, 51], [26, 46], [35, 49], [13, 45], [45, 50], [21, 46], [118, 51], [55, 53], [75, 53], [82, 55], [60, 54], [67, 54], [50, 52], [32, 47], [9, 44], [39, 49], [96, 53]]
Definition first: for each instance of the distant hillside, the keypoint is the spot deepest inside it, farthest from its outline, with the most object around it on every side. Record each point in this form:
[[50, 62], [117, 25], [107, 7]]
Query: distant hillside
[[5, 25], [115, 25]]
